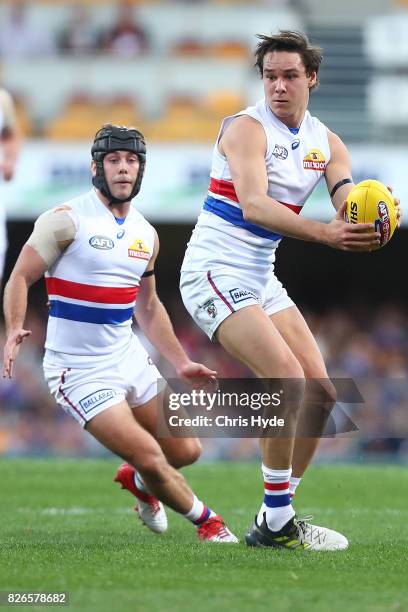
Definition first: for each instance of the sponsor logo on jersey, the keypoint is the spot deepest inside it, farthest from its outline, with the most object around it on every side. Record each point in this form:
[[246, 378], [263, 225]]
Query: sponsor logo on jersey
[[295, 144], [239, 295], [101, 242], [280, 152], [210, 309], [139, 250], [94, 400], [314, 160]]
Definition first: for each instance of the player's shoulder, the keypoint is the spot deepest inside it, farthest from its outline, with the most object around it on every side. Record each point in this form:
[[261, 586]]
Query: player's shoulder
[[62, 214], [315, 123], [80, 201], [336, 144], [139, 219], [244, 130], [60, 217]]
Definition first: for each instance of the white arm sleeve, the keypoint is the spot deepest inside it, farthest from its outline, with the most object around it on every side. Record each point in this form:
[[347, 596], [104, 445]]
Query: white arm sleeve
[[53, 232]]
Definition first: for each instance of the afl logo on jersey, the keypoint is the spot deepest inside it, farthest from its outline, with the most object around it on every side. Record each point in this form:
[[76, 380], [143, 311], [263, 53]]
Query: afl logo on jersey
[[280, 152], [101, 242], [295, 144]]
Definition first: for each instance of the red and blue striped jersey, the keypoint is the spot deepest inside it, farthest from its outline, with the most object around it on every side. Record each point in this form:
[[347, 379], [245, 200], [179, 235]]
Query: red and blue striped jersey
[[295, 163], [93, 285]]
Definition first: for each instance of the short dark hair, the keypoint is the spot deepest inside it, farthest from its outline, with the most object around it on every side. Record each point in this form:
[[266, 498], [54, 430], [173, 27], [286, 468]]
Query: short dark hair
[[291, 41]]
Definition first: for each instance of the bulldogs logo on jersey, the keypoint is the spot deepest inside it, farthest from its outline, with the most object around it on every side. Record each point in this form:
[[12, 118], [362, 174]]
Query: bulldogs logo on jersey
[[210, 309], [314, 160], [139, 250]]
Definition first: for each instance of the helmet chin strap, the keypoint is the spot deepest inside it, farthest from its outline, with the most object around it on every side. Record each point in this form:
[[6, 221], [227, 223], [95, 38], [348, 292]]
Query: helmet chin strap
[[102, 186], [104, 189]]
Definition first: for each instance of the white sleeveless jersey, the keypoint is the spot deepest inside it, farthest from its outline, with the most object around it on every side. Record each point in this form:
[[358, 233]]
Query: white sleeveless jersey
[[92, 287], [294, 164]]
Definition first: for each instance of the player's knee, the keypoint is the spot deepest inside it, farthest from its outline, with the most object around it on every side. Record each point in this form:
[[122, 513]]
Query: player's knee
[[193, 452], [330, 392], [289, 367], [321, 391], [314, 368], [187, 454]]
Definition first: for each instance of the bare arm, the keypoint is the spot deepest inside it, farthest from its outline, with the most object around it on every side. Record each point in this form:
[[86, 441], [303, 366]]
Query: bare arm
[[28, 269], [53, 232], [244, 144], [338, 169], [154, 321]]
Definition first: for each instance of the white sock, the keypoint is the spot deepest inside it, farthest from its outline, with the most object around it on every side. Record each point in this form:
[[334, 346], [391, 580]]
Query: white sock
[[293, 484], [199, 513], [276, 506], [139, 482]]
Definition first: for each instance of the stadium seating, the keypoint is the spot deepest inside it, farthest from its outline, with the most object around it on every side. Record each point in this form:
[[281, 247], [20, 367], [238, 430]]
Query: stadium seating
[[204, 49], [82, 116]]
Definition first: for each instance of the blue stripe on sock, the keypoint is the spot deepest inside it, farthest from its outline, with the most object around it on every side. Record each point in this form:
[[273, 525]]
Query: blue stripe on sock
[[203, 518], [277, 501]]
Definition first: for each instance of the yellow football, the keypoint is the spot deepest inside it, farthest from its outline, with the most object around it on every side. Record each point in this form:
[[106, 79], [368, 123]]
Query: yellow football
[[371, 202]]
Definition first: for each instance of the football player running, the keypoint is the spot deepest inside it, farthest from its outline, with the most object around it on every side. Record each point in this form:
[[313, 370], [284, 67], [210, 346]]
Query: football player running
[[266, 162], [98, 254]]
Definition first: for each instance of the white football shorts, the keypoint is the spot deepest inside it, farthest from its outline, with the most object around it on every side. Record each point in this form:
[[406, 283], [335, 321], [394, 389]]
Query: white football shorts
[[85, 392], [210, 297]]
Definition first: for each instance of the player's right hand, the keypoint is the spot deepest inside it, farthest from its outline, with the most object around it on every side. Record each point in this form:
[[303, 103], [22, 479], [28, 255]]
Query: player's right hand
[[11, 347], [351, 236]]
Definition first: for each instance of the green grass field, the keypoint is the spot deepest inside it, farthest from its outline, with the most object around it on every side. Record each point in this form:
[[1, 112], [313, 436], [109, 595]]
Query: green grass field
[[66, 527]]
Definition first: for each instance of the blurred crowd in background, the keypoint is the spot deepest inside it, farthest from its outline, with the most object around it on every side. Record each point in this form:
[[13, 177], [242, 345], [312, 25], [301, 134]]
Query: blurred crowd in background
[[20, 38], [176, 67], [370, 348]]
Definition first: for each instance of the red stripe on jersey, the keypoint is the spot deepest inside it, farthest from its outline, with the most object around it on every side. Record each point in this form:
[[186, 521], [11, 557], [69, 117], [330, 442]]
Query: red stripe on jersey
[[90, 293], [279, 486], [223, 188], [227, 189], [295, 207]]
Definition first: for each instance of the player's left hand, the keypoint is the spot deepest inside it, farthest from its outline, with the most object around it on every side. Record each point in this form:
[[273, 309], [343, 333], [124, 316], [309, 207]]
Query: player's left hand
[[397, 204], [11, 349], [197, 374]]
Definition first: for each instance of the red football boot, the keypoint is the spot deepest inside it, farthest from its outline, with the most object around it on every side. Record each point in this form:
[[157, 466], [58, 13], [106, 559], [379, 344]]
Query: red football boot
[[214, 529], [149, 508]]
